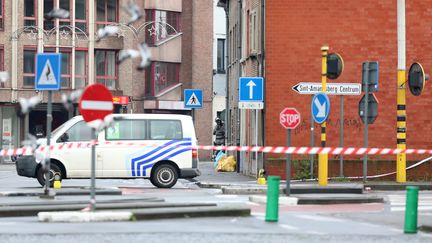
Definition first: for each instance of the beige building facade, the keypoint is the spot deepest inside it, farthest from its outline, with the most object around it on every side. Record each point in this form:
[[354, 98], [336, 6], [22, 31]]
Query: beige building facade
[[179, 35]]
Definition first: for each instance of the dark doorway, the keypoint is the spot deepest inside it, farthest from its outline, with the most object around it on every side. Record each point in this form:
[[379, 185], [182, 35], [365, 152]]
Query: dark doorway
[[37, 119]]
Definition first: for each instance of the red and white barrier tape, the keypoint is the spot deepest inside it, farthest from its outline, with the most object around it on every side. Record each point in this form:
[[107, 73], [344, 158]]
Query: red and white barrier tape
[[261, 149]]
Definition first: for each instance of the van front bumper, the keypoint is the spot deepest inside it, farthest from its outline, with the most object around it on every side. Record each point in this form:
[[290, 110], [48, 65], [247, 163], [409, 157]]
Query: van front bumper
[[26, 166], [189, 173]]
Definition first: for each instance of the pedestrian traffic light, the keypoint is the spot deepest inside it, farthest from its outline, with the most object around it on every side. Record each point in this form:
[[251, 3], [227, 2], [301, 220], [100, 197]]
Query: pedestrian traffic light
[[416, 79], [335, 65]]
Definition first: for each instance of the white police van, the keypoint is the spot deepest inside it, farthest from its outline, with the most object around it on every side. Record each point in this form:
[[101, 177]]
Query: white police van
[[154, 146]]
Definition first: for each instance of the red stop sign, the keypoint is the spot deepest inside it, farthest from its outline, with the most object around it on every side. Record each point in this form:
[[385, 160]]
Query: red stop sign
[[289, 118], [95, 103]]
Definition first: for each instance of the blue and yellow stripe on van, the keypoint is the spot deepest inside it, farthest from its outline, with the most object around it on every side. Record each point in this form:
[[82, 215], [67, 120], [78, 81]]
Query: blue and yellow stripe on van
[[141, 162]]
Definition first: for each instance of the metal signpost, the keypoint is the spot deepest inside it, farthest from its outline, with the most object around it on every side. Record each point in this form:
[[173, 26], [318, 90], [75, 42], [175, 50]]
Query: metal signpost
[[95, 104], [342, 89], [289, 118], [369, 84], [48, 77], [251, 96], [320, 108]]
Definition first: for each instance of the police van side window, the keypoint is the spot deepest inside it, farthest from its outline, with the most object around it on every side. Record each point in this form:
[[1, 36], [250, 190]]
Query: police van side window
[[78, 132], [165, 130], [126, 130]]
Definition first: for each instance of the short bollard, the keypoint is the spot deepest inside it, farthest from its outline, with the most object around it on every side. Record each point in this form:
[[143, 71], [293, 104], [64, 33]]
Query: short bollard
[[411, 210], [57, 183], [272, 210]]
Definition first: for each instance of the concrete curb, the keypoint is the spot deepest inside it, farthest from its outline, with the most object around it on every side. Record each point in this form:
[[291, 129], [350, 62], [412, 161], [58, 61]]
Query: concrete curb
[[287, 201], [394, 186], [79, 217], [145, 214], [191, 212], [293, 190], [83, 202], [21, 211], [339, 200], [60, 192]]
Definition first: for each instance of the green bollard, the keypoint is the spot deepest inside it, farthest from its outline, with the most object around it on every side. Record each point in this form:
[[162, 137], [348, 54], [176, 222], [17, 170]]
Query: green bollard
[[411, 210], [272, 210]]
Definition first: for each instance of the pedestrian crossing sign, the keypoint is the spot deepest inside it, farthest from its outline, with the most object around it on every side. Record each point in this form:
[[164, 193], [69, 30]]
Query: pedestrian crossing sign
[[48, 71], [193, 98]]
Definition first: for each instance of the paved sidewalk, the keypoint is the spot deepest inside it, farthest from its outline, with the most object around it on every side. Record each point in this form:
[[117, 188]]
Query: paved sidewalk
[[210, 175]]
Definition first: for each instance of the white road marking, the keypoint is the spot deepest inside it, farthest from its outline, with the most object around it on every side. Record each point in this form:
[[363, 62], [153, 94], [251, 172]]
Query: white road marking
[[288, 227], [319, 218]]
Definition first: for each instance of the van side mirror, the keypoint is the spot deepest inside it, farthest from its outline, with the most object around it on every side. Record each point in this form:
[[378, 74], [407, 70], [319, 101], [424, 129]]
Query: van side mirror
[[64, 138]]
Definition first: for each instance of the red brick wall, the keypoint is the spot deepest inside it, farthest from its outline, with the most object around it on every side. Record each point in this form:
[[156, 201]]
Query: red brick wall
[[352, 168], [359, 31]]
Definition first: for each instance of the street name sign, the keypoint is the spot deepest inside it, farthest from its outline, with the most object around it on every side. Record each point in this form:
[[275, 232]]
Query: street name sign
[[95, 102], [320, 107], [193, 98], [332, 88], [289, 118], [48, 71]]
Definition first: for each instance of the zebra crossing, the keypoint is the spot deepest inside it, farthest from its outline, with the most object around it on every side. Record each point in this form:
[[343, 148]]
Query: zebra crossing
[[397, 202]]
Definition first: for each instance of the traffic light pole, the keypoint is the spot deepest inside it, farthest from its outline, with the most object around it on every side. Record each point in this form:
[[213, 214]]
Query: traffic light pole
[[366, 121], [323, 158], [401, 96]]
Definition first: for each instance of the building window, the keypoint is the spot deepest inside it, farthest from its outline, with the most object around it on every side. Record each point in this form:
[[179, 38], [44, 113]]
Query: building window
[[253, 32], [1, 15], [81, 15], [80, 68], [66, 67], [48, 6], [2, 63], [167, 23], [106, 68], [30, 13], [160, 76], [29, 67], [221, 55], [107, 12]]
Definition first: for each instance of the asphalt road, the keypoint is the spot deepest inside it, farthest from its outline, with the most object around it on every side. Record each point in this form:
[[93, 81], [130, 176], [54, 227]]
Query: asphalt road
[[302, 223]]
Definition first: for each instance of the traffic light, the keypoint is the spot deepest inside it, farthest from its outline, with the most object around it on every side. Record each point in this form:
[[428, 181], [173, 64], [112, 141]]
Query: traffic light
[[335, 65], [416, 79]]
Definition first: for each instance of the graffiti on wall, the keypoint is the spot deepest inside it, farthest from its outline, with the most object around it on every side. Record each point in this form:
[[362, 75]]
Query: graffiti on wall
[[350, 123]]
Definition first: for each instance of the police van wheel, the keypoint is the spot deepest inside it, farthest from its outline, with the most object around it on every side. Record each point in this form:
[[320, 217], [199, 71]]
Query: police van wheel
[[164, 176], [54, 169]]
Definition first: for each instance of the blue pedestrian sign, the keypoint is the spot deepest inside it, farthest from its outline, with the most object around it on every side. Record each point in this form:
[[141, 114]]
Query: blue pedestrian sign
[[193, 98], [320, 107], [251, 89], [48, 71]]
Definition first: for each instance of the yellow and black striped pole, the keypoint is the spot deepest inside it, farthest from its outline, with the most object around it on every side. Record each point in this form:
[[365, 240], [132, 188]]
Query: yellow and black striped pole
[[401, 128], [401, 102], [323, 158]]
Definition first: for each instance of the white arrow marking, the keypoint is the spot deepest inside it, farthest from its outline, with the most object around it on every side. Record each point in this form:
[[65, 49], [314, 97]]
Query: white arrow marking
[[251, 84], [321, 108]]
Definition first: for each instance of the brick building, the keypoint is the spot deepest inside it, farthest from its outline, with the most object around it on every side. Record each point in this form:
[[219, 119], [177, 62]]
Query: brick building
[[245, 59], [179, 34], [359, 31]]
